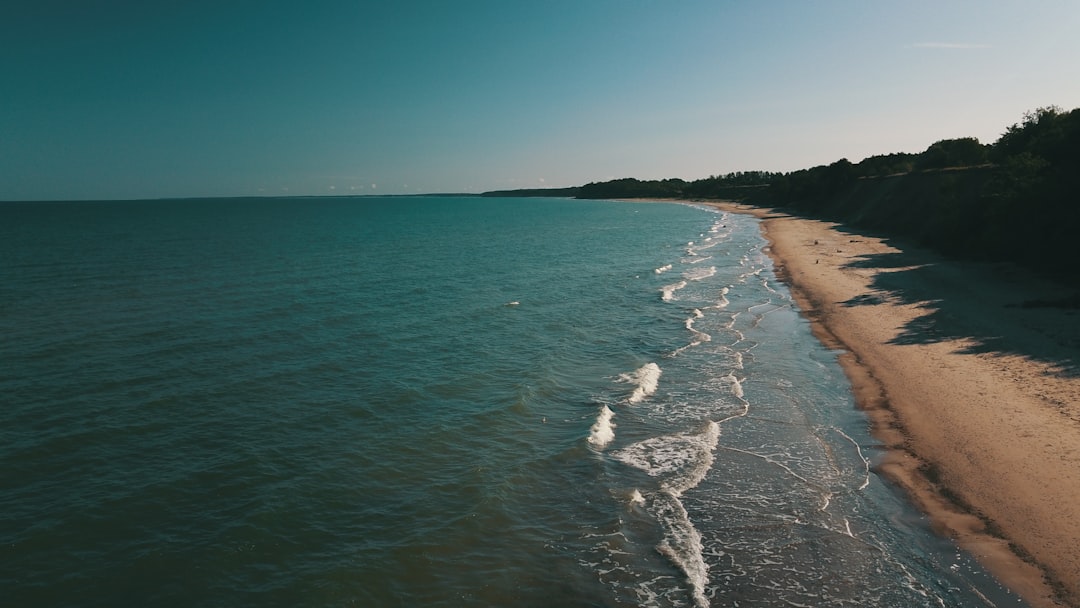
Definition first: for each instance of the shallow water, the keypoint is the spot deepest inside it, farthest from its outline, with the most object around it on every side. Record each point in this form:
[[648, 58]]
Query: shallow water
[[432, 401]]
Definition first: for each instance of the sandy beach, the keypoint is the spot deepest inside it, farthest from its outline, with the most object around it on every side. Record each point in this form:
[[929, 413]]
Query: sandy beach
[[974, 396]]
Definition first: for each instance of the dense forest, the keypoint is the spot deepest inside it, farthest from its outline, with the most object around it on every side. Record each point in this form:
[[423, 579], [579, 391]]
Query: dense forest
[[1015, 200]]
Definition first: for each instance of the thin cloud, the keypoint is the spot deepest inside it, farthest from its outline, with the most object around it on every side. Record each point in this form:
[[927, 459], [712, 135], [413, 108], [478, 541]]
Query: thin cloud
[[949, 45]]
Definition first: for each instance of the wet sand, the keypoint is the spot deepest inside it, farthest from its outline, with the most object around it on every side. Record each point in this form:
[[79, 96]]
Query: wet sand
[[974, 397]]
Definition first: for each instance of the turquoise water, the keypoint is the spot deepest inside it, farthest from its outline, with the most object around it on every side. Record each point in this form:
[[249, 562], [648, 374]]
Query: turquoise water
[[431, 402]]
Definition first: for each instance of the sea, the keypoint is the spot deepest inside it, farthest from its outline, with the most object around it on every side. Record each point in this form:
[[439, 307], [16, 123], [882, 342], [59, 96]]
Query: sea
[[433, 401]]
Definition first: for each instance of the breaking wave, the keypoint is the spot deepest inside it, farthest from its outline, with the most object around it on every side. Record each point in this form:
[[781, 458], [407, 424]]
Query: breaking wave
[[668, 291], [680, 462], [603, 430], [646, 380]]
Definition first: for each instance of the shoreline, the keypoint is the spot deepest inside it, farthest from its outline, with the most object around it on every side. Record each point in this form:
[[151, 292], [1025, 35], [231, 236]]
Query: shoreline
[[974, 396]]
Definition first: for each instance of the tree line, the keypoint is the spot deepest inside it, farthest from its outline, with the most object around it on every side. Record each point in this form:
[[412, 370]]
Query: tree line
[[1016, 200]]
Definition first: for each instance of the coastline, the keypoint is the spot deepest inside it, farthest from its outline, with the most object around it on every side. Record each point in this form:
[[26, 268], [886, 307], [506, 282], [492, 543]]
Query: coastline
[[974, 396]]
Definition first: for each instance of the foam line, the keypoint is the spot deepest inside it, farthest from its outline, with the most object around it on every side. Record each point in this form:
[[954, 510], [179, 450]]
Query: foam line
[[723, 303], [681, 462], [698, 274], [865, 460], [826, 494], [682, 545], [668, 291]]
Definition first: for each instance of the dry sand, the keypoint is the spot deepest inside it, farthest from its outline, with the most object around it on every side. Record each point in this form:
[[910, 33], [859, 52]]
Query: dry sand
[[976, 398]]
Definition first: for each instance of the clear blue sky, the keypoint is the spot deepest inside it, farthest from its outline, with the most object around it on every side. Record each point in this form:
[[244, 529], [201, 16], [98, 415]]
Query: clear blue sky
[[130, 99]]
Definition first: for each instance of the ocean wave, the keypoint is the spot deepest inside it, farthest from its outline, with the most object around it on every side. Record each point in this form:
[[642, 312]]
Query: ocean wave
[[668, 291], [699, 337], [663, 269], [603, 430], [750, 273], [646, 378], [736, 384], [682, 544], [681, 462], [737, 359], [723, 303], [693, 250], [698, 274]]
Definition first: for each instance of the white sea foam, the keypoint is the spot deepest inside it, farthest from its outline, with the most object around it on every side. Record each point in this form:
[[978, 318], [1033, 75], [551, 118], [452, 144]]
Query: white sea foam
[[704, 444], [646, 380], [750, 273], [682, 545], [718, 224], [663, 269], [723, 298], [699, 336], [636, 498], [697, 274], [826, 494], [693, 250], [862, 457], [768, 287], [669, 290], [603, 430], [730, 325], [689, 323], [736, 385], [681, 462]]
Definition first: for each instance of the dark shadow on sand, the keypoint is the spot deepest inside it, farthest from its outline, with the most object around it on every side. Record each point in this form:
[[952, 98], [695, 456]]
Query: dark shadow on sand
[[929, 281]]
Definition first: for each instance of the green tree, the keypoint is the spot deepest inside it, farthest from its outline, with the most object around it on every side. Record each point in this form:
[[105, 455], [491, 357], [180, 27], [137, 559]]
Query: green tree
[[963, 152]]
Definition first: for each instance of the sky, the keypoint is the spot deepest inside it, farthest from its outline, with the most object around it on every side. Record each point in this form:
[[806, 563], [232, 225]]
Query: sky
[[126, 99]]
